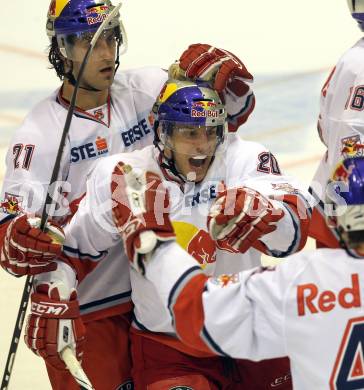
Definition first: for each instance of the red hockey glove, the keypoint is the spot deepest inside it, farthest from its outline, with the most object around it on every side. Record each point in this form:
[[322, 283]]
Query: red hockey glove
[[26, 250], [140, 212], [229, 76], [239, 217], [54, 324]]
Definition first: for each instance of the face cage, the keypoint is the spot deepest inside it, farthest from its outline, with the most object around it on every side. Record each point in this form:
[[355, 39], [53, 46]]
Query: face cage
[[350, 218], [168, 128], [66, 41]]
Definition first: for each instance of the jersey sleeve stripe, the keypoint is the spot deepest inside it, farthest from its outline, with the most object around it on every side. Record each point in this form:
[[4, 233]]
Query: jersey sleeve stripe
[[76, 253], [186, 299], [106, 302]]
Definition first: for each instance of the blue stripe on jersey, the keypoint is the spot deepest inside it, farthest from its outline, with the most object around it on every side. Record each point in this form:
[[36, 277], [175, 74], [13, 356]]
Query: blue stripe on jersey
[[246, 106], [181, 281], [296, 239], [112, 298], [77, 253], [211, 343], [139, 325]]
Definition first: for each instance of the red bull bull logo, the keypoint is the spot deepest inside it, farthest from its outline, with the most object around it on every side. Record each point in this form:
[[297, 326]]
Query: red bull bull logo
[[352, 146], [342, 173], [52, 8], [204, 109], [196, 242], [100, 13], [202, 248], [11, 204], [98, 9]]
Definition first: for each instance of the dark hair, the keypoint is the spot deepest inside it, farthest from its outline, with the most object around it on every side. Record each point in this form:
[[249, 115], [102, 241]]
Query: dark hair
[[57, 60]]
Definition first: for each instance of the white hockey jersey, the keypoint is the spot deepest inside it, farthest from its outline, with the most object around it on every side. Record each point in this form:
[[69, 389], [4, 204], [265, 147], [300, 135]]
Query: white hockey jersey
[[92, 231], [310, 308], [341, 129], [122, 125]]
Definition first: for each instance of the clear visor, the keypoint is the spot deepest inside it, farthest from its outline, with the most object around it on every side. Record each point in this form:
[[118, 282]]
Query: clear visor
[[193, 140], [74, 46]]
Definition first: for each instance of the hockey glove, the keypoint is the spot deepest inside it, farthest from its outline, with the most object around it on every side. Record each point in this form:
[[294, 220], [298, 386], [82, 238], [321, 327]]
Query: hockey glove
[[239, 217], [27, 250], [54, 323], [140, 212], [228, 75]]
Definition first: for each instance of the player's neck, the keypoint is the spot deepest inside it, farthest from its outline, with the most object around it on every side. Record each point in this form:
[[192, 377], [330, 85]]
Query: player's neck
[[86, 100]]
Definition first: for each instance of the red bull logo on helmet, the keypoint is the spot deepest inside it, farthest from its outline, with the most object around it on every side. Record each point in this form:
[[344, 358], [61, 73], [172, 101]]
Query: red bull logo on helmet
[[97, 14], [204, 109]]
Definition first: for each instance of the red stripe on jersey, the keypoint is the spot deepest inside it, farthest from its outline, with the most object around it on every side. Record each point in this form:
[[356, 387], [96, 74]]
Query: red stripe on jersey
[[81, 267], [322, 233], [188, 313]]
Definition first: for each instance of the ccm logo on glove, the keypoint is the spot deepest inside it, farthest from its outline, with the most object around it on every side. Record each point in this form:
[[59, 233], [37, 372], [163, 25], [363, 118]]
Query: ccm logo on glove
[[56, 309]]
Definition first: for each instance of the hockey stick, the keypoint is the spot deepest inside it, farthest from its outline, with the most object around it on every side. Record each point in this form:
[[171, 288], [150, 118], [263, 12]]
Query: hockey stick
[[67, 355]]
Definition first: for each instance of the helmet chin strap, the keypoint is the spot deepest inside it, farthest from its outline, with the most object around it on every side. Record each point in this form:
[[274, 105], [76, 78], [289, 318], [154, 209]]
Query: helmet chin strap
[[72, 80]]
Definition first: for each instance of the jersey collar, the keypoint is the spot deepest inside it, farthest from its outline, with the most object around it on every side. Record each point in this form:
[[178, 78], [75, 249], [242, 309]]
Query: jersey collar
[[78, 112]]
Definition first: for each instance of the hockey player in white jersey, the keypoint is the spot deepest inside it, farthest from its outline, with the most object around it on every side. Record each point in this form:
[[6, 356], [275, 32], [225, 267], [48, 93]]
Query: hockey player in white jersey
[[197, 158], [111, 116], [310, 307], [340, 125]]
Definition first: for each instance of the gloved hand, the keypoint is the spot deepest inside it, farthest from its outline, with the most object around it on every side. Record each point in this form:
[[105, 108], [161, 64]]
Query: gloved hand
[[140, 212], [227, 74], [241, 216], [54, 323], [27, 250]]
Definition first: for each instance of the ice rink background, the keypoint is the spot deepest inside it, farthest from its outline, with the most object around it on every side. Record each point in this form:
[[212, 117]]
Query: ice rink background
[[289, 47]]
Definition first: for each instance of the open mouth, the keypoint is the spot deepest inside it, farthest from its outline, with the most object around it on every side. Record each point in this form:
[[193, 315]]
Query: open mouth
[[107, 69], [197, 161]]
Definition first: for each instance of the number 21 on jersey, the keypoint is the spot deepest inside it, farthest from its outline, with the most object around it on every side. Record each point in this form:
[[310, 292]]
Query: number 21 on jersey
[[19, 160]]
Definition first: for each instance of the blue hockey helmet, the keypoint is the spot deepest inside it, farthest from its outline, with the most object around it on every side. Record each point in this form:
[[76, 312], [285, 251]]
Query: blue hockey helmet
[[71, 19], [348, 181], [182, 105], [357, 11]]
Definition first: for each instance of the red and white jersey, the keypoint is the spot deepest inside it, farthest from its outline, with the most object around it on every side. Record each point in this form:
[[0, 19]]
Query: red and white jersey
[[121, 125], [92, 231], [341, 129], [310, 308]]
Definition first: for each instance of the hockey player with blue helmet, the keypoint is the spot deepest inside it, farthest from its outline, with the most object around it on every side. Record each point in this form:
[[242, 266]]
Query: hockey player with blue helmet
[[310, 307], [111, 116]]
